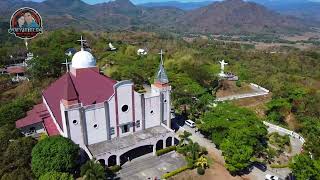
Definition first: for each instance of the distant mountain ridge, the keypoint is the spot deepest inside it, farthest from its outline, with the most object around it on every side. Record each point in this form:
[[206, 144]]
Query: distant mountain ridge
[[177, 4], [229, 16], [305, 9], [241, 16]]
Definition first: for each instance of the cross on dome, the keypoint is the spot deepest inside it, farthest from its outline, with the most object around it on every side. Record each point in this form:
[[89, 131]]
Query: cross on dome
[[82, 58], [82, 42]]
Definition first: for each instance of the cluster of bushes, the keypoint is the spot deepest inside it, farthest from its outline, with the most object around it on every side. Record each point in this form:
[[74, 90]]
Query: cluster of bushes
[[177, 171], [166, 150]]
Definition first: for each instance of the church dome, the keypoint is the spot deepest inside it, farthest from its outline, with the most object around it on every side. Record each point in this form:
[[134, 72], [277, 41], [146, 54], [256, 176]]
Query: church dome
[[83, 59]]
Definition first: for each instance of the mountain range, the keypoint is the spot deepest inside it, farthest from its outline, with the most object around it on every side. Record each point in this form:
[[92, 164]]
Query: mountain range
[[304, 9], [229, 16]]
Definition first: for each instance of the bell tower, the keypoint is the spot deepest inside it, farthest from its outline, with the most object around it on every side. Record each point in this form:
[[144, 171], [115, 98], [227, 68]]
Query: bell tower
[[162, 88]]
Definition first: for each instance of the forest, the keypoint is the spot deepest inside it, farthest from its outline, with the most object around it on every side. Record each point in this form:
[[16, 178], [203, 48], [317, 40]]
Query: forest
[[292, 76]]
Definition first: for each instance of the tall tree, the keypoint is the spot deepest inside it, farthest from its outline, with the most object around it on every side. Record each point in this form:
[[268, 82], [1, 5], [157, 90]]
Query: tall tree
[[54, 154], [304, 167]]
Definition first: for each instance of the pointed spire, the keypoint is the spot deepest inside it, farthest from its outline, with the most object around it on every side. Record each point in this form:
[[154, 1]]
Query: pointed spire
[[82, 43], [161, 76]]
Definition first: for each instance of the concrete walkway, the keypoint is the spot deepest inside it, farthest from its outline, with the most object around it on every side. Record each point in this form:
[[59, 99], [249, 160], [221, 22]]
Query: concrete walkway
[[149, 166], [257, 91]]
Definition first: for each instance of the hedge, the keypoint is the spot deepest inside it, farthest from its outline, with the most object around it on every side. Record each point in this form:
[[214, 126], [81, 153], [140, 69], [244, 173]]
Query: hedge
[[166, 150], [172, 173], [279, 165], [115, 168]]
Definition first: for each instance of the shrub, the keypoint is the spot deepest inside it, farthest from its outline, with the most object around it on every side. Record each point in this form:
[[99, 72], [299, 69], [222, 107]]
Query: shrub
[[115, 168], [56, 176], [92, 170], [238, 83], [177, 171], [166, 150], [200, 171]]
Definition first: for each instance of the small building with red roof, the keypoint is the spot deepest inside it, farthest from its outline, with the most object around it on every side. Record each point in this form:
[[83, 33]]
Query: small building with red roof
[[98, 112]]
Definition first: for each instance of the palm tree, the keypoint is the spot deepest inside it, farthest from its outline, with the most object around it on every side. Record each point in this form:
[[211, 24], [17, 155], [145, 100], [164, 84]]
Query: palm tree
[[193, 151], [202, 162], [185, 138], [93, 171]]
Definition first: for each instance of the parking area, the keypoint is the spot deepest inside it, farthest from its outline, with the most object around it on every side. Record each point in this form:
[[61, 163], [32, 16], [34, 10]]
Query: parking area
[[151, 167]]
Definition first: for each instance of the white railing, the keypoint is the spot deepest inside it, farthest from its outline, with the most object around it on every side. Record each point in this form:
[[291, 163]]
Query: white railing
[[259, 87], [286, 131]]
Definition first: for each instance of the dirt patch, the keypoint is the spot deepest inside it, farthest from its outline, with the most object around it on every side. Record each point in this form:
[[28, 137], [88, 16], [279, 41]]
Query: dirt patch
[[304, 37], [257, 104], [229, 88], [292, 122], [216, 171]]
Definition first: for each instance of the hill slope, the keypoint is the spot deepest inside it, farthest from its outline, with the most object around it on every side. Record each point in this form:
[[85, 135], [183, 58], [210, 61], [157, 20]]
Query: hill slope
[[237, 16], [230, 16]]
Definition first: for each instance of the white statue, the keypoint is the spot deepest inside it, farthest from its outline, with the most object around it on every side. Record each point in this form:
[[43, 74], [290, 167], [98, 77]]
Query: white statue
[[222, 63], [112, 48]]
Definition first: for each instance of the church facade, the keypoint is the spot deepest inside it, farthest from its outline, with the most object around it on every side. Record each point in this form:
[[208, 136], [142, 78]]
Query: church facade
[[107, 118]]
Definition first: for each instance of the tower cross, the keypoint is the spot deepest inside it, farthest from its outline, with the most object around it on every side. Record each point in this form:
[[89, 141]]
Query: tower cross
[[67, 64], [161, 54], [82, 42]]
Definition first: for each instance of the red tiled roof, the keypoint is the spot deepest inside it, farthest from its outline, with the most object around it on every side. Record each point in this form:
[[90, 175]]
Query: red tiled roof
[[51, 128], [15, 69], [33, 116], [70, 92], [89, 85]]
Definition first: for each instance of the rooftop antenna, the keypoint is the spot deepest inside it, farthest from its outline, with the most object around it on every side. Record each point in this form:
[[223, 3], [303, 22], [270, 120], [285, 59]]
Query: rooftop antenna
[[82, 42]]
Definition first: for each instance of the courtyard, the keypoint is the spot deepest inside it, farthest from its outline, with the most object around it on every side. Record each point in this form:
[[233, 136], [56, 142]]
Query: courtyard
[[150, 167]]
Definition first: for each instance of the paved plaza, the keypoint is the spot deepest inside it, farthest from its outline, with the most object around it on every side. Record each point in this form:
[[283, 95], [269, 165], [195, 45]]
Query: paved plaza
[[149, 166]]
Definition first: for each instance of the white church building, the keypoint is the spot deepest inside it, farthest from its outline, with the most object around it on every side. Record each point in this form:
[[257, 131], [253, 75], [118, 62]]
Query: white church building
[[108, 119]]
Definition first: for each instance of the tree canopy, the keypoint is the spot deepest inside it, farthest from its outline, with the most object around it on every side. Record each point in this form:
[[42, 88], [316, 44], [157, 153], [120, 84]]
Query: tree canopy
[[54, 154], [304, 167], [56, 176], [237, 131]]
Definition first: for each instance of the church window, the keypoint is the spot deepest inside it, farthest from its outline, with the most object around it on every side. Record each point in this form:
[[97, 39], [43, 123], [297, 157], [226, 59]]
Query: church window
[[138, 123], [125, 108], [95, 126], [112, 131], [75, 122]]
